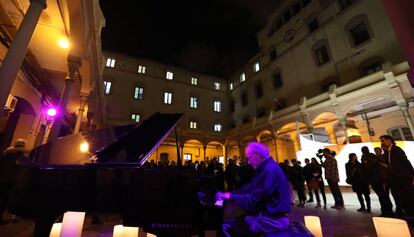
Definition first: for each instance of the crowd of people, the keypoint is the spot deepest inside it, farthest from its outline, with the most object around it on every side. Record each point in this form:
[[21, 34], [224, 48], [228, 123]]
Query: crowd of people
[[386, 171]]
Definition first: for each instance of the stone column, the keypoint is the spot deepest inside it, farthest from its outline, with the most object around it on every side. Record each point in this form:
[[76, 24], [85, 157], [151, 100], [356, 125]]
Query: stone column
[[274, 140], [17, 51], [225, 156], [73, 66], [305, 115], [204, 153], [342, 121], [332, 136], [83, 100], [407, 116], [295, 138]]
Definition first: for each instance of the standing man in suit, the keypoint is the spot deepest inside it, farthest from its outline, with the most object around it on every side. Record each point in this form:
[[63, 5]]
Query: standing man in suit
[[402, 175]]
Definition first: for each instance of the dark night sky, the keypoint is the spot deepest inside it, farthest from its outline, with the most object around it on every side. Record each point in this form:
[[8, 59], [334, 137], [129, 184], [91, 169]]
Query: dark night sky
[[208, 36]]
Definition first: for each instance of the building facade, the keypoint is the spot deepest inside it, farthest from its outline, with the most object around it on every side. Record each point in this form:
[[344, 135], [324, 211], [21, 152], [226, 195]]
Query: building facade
[[331, 70], [137, 88]]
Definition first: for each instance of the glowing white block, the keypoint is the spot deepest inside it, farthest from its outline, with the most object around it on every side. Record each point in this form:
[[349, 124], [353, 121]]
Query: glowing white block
[[386, 227], [151, 235], [118, 231], [72, 224], [56, 228], [130, 231], [314, 225]]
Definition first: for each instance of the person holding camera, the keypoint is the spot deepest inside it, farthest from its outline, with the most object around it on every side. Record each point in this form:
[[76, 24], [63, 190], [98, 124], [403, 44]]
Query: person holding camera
[[332, 176]]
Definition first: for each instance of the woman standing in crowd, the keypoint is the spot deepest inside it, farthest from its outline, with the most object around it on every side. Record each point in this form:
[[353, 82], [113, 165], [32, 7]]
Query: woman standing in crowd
[[316, 182], [355, 177]]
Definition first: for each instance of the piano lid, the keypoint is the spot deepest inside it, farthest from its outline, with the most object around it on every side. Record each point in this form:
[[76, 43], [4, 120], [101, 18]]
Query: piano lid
[[128, 144]]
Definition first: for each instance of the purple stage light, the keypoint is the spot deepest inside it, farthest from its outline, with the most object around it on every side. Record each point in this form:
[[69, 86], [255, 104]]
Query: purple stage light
[[51, 112]]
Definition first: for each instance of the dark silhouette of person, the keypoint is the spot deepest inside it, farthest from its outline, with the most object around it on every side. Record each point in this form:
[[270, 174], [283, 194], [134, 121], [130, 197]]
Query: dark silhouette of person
[[354, 174], [317, 183], [402, 175]]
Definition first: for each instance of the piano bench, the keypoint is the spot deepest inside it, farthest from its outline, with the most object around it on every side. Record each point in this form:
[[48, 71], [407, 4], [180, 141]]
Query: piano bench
[[296, 229]]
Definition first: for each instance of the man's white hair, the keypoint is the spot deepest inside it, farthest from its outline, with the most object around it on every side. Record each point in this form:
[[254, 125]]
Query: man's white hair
[[259, 148]]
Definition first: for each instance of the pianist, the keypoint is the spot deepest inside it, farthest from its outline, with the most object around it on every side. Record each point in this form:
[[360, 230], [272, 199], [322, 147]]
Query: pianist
[[265, 200]]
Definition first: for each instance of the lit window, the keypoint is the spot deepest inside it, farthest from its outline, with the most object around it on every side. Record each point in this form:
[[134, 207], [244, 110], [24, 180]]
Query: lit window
[[141, 69], [242, 77], [256, 67], [169, 75], [231, 86], [193, 102], [217, 127], [167, 98], [135, 117], [216, 86], [193, 125], [187, 156], [194, 81], [139, 93], [107, 87], [217, 106], [110, 62]]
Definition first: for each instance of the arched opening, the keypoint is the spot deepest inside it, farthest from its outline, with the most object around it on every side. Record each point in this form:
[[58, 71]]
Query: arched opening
[[323, 128], [214, 149], [375, 116], [17, 124], [287, 142], [193, 151], [233, 150]]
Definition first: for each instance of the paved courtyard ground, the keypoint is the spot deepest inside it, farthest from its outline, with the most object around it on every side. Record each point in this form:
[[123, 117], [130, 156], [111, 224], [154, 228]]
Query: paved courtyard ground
[[344, 223]]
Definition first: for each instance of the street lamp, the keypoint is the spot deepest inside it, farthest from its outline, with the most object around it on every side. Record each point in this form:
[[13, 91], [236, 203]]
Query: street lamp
[[51, 114]]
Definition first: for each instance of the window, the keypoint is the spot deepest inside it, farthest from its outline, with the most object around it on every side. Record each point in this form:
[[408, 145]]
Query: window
[[242, 77], [313, 25], [194, 81], [373, 68], [246, 119], [244, 99], [139, 93], [107, 87], [280, 104], [261, 112], [135, 117], [287, 15], [277, 80], [359, 34], [306, 2], [193, 102], [346, 3], [321, 55], [217, 106], [218, 127], [259, 91], [273, 55], [231, 86], [401, 134], [167, 98], [110, 62], [169, 75], [256, 67], [187, 156], [232, 106], [216, 86], [296, 8], [141, 69], [193, 125]]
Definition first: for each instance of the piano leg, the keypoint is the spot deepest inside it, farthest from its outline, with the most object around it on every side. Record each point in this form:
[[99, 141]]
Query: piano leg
[[43, 225]]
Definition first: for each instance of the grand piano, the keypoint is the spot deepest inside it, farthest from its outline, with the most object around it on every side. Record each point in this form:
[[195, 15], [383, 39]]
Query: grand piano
[[102, 172]]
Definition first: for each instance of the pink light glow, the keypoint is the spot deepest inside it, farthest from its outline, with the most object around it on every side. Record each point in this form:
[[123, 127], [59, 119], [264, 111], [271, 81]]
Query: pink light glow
[[51, 112]]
